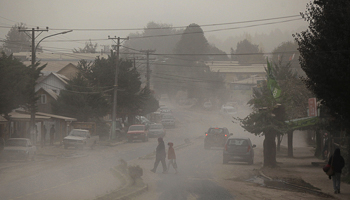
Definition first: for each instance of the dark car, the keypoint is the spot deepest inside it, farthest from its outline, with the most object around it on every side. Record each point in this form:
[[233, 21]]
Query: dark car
[[238, 149], [156, 130], [215, 137], [137, 132]]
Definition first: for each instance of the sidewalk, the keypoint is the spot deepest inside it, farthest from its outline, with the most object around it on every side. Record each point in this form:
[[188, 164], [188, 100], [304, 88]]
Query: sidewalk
[[306, 167]]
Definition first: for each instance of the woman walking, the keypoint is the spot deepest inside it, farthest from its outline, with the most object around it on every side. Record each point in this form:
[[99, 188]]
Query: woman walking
[[337, 163], [160, 156]]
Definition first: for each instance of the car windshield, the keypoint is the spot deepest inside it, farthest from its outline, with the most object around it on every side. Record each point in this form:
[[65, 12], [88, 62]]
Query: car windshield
[[22, 143], [156, 126], [230, 110], [215, 131], [136, 128], [168, 117], [78, 133], [238, 142]]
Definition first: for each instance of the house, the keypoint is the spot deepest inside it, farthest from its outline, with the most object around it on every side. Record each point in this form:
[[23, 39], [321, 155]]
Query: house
[[46, 98], [233, 71], [54, 81]]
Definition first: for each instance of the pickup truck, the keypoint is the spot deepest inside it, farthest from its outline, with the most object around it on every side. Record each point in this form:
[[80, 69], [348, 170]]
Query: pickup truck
[[80, 138]]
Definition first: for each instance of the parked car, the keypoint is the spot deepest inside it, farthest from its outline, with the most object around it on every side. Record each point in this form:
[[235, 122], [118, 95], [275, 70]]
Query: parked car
[[156, 130], [137, 132], [215, 137], [208, 105], [19, 148], [168, 120], [238, 149], [228, 111], [80, 138]]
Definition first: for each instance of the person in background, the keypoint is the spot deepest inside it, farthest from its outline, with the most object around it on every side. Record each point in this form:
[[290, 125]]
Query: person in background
[[52, 134], [160, 156], [43, 135], [337, 163], [325, 146], [172, 157]]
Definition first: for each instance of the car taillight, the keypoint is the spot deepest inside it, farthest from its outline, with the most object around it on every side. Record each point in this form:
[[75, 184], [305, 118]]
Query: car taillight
[[225, 135], [248, 149], [206, 134]]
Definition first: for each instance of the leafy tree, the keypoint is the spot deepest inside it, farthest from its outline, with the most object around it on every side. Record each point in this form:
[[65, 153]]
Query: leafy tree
[[13, 78], [287, 54], [155, 36], [193, 44], [17, 41], [89, 48], [270, 114], [324, 57], [82, 101], [248, 53], [131, 98]]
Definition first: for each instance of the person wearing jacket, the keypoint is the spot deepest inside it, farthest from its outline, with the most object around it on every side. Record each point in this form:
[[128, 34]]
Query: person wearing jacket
[[337, 162], [160, 156], [172, 157]]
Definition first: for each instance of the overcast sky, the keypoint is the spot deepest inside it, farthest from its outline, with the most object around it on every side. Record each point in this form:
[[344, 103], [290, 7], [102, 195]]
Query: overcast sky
[[127, 14]]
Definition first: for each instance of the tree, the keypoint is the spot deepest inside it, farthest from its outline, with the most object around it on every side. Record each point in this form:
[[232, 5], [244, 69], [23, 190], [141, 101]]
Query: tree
[[324, 57], [81, 100], [248, 53], [13, 78], [17, 41], [193, 44], [89, 48], [99, 75]]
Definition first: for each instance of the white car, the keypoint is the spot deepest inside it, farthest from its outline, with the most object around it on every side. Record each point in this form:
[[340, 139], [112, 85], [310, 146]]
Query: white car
[[79, 138], [228, 111], [19, 148]]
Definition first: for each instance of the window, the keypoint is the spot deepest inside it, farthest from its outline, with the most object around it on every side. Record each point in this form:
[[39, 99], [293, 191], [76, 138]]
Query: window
[[43, 99]]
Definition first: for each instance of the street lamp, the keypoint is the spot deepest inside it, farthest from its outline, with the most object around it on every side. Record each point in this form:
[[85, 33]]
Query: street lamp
[[33, 103]]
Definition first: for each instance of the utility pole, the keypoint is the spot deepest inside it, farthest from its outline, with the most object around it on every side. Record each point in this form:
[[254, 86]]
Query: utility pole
[[33, 103], [112, 135], [148, 72]]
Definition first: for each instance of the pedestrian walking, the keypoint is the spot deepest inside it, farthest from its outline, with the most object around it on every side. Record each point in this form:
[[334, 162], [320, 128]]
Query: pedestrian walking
[[52, 134], [160, 156], [43, 136], [171, 157], [337, 163]]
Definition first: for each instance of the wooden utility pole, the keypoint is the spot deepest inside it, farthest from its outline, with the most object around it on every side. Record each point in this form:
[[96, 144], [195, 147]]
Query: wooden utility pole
[[148, 72], [112, 135], [33, 104]]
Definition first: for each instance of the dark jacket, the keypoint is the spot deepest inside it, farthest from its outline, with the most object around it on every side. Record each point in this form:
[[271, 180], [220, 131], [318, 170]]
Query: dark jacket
[[338, 161], [160, 151]]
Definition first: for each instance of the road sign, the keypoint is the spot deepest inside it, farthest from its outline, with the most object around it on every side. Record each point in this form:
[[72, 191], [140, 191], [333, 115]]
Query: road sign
[[312, 107]]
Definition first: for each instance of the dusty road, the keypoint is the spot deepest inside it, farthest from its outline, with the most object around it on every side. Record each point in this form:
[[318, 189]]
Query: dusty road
[[85, 174]]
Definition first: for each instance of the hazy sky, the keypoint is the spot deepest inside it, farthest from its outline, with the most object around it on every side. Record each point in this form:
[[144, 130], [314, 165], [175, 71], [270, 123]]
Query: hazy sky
[[127, 14]]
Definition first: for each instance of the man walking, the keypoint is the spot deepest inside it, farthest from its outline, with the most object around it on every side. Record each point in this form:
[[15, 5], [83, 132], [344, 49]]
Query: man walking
[[52, 134], [160, 156]]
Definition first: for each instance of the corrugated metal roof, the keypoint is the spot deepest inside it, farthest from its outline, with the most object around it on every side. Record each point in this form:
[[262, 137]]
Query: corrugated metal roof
[[25, 117], [56, 116]]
